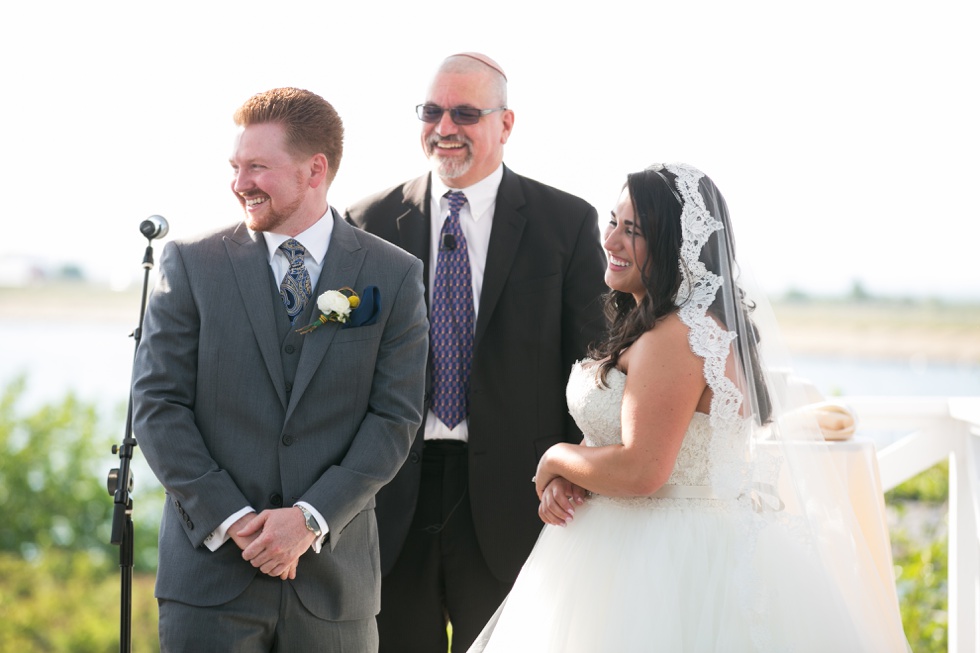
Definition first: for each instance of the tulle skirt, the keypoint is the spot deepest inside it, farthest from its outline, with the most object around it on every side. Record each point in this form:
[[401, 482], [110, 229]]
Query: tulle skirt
[[668, 576]]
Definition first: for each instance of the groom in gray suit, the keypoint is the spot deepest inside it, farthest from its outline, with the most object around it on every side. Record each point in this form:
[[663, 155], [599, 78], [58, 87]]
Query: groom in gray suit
[[272, 443]]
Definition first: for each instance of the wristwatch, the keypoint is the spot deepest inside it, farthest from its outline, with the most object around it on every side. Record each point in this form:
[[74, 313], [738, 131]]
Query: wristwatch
[[311, 523]]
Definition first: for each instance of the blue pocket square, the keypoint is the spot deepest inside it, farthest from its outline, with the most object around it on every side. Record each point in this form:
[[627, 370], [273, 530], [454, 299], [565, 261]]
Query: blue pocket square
[[367, 311]]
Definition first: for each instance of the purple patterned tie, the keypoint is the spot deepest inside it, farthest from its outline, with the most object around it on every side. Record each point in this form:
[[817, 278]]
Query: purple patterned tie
[[451, 328], [295, 288]]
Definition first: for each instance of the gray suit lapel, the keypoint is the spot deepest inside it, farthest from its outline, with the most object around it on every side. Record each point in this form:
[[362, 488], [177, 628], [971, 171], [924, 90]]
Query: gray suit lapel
[[250, 260], [341, 266], [505, 237]]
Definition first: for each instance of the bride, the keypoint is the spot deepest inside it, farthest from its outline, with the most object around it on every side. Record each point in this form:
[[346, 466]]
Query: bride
[[697, 515]]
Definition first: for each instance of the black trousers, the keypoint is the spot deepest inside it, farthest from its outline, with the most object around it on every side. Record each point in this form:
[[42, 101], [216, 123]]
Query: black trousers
[[440, 575]]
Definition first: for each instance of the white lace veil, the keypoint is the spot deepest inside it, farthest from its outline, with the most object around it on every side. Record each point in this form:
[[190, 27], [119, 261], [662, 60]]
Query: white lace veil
[[768, 451]]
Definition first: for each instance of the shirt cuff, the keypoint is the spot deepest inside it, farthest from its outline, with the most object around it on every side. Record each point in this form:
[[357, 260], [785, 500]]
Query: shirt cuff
[[220, 535], [324, 529]]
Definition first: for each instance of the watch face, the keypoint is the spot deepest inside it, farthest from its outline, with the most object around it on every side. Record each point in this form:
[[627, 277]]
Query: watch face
[[311, 523]]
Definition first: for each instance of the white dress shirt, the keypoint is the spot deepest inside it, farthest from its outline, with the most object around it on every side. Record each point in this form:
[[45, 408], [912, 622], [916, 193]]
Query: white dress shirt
[[476, 221]]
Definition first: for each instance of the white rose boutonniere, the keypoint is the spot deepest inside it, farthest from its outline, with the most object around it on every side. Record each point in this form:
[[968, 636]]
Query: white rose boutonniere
[[335, 306]]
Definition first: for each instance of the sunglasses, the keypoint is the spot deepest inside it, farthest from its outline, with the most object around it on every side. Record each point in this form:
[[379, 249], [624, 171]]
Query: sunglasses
[[460, 115]]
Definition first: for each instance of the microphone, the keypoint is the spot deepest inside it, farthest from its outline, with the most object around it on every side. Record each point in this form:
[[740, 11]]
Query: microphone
[[448, 242], [154, 226]]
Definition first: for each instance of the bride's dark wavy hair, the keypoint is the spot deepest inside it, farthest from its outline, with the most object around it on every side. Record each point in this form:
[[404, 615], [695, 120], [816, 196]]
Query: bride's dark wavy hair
[[658, 216], [658, 219]]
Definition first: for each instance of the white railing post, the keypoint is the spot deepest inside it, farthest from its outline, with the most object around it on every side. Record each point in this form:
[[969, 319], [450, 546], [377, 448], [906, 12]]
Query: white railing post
[[939, 428], [964, 530]]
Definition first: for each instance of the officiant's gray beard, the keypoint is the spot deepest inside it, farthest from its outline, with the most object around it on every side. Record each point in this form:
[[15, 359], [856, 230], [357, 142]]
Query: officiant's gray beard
[[449, 167]]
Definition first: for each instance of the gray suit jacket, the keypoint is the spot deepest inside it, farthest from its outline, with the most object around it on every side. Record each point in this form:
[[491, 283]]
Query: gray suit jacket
[[232, 408]]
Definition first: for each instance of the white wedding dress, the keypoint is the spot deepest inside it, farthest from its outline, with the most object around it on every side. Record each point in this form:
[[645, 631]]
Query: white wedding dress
[[679, 573], [751, 545]]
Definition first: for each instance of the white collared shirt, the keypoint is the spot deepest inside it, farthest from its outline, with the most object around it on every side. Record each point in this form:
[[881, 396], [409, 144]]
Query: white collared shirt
[[316, 240], [476, 221]]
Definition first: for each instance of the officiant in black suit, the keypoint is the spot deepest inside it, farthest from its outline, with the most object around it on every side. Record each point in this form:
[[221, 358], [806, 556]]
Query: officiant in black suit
[[513, 272]]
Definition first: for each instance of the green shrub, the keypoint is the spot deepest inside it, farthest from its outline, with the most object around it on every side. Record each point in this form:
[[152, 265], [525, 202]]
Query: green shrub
[[921, 569], [59, 576], [69, 602]]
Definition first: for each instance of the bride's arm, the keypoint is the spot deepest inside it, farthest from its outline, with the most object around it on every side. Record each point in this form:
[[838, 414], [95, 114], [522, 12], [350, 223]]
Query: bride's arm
[[664, 384]]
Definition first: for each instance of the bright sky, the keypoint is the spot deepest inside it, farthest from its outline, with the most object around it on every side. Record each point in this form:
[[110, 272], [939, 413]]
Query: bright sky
[[843, 133]]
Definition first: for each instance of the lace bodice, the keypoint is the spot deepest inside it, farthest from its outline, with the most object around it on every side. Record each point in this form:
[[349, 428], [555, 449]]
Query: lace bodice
[[705, 458]]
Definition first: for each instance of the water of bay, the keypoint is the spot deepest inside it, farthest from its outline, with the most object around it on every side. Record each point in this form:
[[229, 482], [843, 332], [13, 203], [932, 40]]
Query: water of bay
[[94, 360]]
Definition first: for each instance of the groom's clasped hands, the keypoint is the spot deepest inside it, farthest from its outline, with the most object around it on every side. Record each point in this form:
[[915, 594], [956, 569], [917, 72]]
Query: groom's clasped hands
[[273, 540]]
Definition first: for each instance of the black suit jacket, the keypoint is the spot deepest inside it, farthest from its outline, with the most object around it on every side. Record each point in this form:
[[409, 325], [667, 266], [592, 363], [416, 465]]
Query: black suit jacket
[[539, 310]]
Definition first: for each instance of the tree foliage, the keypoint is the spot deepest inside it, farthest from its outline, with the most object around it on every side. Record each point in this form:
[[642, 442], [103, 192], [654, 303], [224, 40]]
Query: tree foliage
[[59, 576], [53, 467], [47, 496]]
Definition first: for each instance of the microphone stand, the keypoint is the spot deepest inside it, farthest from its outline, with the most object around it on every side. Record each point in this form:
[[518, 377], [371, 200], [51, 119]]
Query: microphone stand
[[120, 485]]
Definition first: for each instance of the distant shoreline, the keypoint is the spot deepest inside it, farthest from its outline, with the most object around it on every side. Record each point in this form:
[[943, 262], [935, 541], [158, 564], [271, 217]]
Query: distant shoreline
[[853, 329], [70, 302], [926, 331]]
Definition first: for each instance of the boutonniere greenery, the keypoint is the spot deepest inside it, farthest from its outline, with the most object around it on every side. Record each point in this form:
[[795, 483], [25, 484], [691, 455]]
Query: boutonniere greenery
[[335, 306]]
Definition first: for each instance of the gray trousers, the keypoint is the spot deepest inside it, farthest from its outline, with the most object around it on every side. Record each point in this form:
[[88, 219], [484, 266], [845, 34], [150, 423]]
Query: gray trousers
[[267, 617]]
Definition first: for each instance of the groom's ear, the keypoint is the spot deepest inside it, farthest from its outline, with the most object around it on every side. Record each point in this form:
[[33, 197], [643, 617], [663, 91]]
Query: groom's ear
[[319, 166]]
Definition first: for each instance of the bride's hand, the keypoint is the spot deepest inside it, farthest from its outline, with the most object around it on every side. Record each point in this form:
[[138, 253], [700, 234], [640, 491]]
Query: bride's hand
[[558, 501]]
